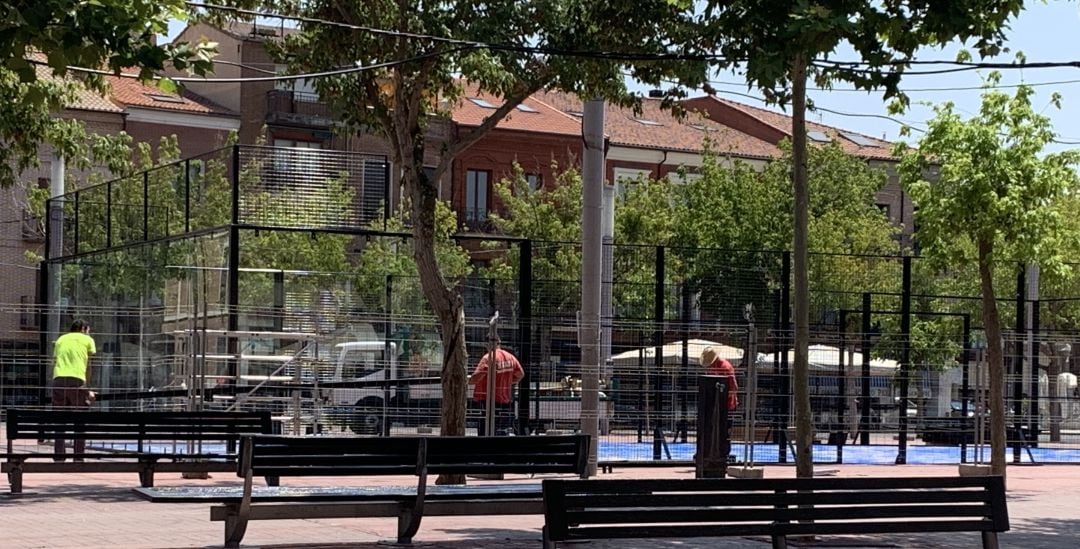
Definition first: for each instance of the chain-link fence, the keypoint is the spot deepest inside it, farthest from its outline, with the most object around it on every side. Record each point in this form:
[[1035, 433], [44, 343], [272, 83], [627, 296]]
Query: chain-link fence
[[256, 282]]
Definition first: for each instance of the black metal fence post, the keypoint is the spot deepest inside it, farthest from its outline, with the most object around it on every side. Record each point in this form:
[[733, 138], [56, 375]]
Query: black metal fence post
[[108, 215], [44, 310], [682, 426], [864, 427], [905, 360], [785, 373], [1033, 421], [388, 335], [658, 359], [75, 237], [1018, 364], [965, 388], [387, 187], [146, 206], [525, 333], [232, 296], [187, 196]]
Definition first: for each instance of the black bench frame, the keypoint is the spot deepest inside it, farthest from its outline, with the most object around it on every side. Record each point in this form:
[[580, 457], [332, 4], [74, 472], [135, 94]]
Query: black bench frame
[[276, 456], [140, 427], [614, 509]]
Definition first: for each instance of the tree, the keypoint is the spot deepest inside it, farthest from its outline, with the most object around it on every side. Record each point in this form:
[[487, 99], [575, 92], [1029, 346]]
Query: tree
[[986, 193], [422, 77], [734, 219], [779, 46], [42, 38]]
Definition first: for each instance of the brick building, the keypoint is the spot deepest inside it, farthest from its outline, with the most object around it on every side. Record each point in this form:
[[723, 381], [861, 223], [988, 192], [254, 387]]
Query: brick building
[[773, 127], [535, 136], [289, 113]]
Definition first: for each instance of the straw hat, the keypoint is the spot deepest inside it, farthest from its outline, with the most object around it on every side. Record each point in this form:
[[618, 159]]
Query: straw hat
[[708, 356]]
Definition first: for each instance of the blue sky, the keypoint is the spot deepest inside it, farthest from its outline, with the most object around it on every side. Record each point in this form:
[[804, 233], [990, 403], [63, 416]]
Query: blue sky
[[1041, 33]]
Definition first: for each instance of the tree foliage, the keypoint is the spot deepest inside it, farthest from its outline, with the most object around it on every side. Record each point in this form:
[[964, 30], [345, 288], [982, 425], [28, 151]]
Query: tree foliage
[[988, 196], [40, 39], [779, 46]]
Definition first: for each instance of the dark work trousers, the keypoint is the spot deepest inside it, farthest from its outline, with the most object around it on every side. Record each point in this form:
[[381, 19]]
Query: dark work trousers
[[725, 439], [504, 418], [69, 393]]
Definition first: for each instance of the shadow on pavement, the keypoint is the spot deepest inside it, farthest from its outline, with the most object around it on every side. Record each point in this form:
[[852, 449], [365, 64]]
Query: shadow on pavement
[[98, 493]]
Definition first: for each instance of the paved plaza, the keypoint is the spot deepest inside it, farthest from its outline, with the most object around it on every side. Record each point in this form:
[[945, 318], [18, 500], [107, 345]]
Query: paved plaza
[[100, 510]]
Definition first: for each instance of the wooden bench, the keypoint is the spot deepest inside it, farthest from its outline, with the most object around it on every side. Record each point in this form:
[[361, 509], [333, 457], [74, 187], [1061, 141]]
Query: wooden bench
[[612, 509], [274, 456], [150, 433]]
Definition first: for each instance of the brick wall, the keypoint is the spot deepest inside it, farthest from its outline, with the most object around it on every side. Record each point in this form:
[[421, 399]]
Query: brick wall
[[192, 141], [19, 275], [497, 152]]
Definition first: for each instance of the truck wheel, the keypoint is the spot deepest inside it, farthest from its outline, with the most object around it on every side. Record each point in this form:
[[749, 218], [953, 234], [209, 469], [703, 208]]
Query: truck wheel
[[367, 418]]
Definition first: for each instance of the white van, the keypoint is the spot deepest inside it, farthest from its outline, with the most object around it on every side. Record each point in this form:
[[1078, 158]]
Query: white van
[[371, 407]]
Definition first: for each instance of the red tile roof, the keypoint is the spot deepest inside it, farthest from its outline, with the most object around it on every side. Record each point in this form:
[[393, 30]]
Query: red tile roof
[[536, 116], [874, 148], [85, 100], [133, 93], [657, 128]]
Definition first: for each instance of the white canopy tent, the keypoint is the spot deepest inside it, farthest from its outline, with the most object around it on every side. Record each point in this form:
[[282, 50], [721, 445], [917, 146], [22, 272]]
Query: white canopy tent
[[672, 354], [824, 358]]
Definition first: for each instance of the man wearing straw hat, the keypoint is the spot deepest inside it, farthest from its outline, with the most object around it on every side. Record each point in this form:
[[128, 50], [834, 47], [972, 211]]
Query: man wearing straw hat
[[717, 366]]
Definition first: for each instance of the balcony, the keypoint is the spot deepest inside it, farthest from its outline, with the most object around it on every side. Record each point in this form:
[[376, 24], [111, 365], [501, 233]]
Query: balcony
[[291, 108]]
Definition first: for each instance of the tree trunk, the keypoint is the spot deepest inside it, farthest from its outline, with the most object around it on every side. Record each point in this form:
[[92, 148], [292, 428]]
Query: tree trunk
[[992, 325], [804, 458], [445, 302]]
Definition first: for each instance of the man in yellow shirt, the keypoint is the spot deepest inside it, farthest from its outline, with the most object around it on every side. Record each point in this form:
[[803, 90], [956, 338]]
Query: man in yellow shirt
[[71, 374]]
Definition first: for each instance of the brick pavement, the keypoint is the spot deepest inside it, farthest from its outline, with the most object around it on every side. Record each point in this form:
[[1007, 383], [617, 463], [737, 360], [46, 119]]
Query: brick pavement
[[99, 511]]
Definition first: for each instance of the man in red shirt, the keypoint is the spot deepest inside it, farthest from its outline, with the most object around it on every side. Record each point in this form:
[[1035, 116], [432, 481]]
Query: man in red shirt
[[508, 372]]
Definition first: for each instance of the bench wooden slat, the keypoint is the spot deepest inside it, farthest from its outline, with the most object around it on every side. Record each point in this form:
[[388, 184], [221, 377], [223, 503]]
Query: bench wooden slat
[[646, 515], [687, 531], [772, 498], [818, 484]]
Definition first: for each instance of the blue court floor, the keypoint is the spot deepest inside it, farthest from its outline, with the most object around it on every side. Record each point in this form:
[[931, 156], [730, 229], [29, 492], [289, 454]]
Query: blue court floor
[[859, 455], [615, 450]]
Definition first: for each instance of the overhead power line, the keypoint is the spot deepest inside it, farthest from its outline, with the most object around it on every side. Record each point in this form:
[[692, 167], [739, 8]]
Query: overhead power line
[[854, 66], [276, 78]]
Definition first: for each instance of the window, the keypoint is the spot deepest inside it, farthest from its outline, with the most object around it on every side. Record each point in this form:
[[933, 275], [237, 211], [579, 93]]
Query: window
[[624, 177], [476, 196], [681, 179], [886, 210], [534, 180], [360, 364], [859, 140], [162, 98], [300, 86], [194, 183], [33, 226], [294, 155], [27, 316], [481, 103]]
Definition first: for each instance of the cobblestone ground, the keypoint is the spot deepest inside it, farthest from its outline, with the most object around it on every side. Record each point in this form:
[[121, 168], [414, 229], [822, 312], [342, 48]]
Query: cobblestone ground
[[100, 511]]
